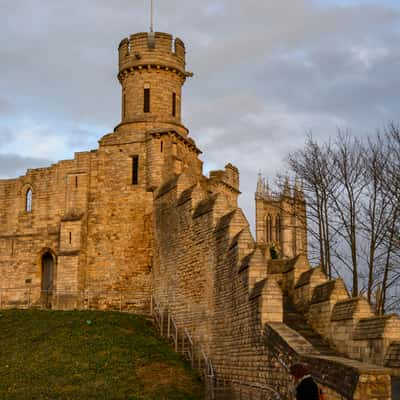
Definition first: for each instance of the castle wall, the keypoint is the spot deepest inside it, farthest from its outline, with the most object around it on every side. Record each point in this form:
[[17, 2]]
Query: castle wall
[[97, 225], [94, 214], [183, 280], [211, 276], [58, 192], [119, 238], [200, 241]]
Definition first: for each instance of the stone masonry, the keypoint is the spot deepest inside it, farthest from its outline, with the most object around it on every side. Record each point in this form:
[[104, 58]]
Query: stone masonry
[[137, 218]]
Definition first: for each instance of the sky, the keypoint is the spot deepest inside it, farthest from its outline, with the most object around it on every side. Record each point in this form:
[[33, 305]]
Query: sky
[[266, 73]]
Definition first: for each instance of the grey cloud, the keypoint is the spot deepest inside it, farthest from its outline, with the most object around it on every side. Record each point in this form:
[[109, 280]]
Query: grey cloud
[[13, 165], [5, 107], [5, 135], [265, 72]]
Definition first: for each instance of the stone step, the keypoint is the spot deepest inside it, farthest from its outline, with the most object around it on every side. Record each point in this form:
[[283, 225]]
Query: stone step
[[298, 322]]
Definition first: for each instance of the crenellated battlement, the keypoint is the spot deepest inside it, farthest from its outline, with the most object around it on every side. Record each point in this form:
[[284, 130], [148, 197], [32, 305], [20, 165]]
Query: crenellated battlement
[[152, 50], [152, 71]]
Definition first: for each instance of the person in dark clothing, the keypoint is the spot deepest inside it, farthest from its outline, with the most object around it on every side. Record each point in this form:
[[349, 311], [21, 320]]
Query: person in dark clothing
[[306, 388]]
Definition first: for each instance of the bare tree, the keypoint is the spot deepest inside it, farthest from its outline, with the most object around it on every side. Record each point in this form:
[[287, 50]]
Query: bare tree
[[390, 280], [348, 174], [376, 209], [352, 190], [313, 165]]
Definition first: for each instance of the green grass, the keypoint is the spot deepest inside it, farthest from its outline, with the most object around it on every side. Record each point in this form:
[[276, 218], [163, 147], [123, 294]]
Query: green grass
[[89, 355]]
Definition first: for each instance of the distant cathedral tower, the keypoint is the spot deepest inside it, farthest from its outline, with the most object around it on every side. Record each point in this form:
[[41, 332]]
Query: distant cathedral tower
[[281, 227]]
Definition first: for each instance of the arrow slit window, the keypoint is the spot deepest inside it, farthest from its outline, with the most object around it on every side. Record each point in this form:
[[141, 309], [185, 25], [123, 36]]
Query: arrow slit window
[[146, 98], [174, 104], [135, 170]]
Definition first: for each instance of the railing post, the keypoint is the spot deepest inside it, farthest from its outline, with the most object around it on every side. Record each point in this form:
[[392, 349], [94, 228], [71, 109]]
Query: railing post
[[1, 304], [120, 302], [161, 322], [169, 326], [151, 305]]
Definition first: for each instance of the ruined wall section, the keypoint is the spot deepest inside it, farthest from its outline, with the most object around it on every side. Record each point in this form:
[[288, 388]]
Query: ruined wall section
[[59, 193]]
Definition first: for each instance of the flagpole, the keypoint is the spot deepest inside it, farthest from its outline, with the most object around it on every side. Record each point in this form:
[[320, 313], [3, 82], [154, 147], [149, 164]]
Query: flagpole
[[151, 16], [151, 35]]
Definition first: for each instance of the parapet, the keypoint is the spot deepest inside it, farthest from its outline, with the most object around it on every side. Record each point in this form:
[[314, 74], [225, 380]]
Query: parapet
[[157, 50], [229, 176]]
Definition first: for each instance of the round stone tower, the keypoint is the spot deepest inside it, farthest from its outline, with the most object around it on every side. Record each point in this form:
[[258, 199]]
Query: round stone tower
[[152, 71]]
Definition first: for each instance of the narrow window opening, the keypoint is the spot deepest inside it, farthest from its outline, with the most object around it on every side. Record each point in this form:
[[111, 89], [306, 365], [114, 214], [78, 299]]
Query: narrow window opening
[[28, 202], [76, 181], [70, 237], [278, 229], [162, 146], [173, 104], [146, 105], [269, 229], [123, 106], [12, 247], [135, 170]]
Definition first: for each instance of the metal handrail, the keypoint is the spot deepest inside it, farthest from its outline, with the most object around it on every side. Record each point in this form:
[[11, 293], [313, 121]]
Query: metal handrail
[[199, 359], [173, 333], [188, 347], [189, 351]]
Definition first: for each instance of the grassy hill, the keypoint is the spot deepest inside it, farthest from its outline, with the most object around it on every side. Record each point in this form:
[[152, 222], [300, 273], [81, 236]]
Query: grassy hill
[[89, 355]]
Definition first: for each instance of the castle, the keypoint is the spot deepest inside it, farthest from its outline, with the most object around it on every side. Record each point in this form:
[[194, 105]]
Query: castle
[[137, 219]]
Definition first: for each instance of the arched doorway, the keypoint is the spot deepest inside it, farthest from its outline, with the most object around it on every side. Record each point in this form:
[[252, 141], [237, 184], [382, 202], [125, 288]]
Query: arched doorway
[[47, 279]]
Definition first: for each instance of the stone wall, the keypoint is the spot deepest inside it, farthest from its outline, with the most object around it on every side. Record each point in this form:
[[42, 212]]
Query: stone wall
[[53, 225], [210, 274], [96, 224]]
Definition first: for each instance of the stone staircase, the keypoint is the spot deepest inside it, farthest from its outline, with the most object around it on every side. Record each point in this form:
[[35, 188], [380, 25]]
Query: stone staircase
[[297, 321]]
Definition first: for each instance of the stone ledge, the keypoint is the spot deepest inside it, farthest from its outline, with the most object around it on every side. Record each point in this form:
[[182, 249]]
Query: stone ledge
[[345, 310], [257, 290], [324, 291], [246, 262], [185, 196], [67, 253], [205, 206], [305, 277], [167, 187], [392, 358], [225, 221], [282, 266], [373, 327]]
